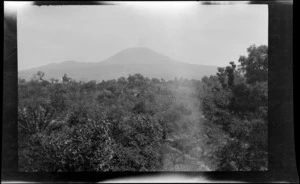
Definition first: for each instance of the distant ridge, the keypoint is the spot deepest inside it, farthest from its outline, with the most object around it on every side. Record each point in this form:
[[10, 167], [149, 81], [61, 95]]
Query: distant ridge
[[142, 60]]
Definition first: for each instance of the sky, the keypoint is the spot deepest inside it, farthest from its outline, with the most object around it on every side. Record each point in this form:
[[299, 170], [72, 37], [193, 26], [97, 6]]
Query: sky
[[188, 32]]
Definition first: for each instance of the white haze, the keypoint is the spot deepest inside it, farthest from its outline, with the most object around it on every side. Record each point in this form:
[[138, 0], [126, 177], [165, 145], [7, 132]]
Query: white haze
[[191, 33]]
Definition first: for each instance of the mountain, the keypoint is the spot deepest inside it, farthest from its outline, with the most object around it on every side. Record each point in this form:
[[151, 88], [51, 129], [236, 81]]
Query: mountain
[[138, 55], [129, 61]]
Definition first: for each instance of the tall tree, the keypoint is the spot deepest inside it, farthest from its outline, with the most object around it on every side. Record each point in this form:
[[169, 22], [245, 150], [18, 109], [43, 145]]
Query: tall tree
[[65, 78], [255, 66]]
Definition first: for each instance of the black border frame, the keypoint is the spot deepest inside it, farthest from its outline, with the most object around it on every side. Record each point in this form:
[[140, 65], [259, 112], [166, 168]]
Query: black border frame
[[282, 161]]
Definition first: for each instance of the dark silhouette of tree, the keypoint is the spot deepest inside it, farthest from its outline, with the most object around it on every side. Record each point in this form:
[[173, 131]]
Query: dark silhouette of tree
[[255, 65], [52, 80], [230, 73], [155, 80], [40, 74], [66, 79], [21, 81]]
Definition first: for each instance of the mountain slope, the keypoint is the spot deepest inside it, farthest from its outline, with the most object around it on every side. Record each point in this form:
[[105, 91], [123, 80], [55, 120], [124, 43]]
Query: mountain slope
[[129, 61], [138, 55]]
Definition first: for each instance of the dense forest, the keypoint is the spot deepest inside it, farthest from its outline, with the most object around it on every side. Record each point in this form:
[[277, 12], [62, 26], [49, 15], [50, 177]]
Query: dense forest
[[135, 123]]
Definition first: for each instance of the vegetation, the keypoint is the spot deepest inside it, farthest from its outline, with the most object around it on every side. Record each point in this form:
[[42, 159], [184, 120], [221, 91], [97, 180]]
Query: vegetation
[[237, 101], [142, 124]]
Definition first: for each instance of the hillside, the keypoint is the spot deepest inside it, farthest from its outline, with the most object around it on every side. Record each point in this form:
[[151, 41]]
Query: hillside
[[129, 61]]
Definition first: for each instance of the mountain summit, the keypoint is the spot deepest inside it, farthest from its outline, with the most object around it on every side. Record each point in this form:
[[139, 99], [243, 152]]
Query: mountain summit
[[141, 60], [138, 55]]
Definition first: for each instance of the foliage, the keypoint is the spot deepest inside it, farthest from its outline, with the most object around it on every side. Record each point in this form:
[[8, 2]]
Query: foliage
[[142, 124], [255, 66], [73, 126], [237, 100]]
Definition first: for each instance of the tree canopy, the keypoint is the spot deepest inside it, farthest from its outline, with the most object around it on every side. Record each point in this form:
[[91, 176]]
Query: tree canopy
[[135, 123]]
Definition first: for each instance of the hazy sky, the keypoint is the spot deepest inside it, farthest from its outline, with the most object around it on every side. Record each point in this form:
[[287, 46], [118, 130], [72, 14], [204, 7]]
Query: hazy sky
[[192, 33]]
